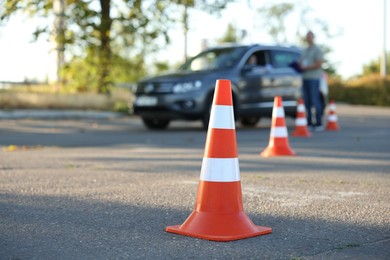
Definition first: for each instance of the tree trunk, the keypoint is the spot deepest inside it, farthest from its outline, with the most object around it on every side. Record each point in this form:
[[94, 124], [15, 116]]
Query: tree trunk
[[105, 48], [59, 40]]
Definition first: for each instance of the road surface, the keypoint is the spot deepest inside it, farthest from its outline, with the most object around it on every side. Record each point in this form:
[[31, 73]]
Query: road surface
[[106, 188]]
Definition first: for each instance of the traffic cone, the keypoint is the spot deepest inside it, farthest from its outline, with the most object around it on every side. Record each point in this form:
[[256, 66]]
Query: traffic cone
[[218, 213], [332, 124], [278, 142], [301, 121]]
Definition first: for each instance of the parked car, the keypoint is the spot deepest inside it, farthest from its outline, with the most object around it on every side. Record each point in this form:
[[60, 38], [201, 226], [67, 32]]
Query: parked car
[[257, 73]]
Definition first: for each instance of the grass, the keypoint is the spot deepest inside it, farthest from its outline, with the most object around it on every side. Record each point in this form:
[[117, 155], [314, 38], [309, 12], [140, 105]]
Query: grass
[[367, 90], [44, 97]]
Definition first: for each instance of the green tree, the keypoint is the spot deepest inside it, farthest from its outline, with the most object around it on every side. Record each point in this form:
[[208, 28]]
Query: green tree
[[275, 20], [231, 35], [282, 18], [374, 66], [99, 32]]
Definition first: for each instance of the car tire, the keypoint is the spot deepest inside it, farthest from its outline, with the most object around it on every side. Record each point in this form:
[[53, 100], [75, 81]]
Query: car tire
[[207, 111], [206, 118], [155, 123], [249, 121]]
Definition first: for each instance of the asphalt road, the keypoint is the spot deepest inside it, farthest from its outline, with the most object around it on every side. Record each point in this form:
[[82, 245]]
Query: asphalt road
[[106, 188]]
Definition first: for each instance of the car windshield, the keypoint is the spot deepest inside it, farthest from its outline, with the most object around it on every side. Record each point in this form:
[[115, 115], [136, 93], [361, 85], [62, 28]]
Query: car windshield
[[213, 59]]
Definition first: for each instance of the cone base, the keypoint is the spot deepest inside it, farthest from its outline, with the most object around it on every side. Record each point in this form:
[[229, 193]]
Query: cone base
[[219, 227], [301, 133], [277, 151], [332, 127]]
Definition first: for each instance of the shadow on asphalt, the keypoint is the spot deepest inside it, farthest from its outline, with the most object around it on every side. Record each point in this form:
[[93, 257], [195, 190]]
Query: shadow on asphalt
[[343, 146], [98, 133], [267, 165], [58, 227]]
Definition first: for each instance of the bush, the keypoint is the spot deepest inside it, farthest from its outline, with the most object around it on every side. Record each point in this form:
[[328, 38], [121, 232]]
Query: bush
[[43, 98], [368, 90], [82, 74]]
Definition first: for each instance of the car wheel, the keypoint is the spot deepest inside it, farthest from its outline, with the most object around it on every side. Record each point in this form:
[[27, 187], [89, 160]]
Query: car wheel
[[249, 121], [207, 111], [155, 123], [206, 118]]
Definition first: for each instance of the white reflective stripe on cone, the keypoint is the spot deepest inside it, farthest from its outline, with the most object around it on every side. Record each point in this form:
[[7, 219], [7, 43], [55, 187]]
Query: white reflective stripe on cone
[[279, 132], [301, 108], [278, 112], [225, 118], [332, 118], [220, 170], [300, 121], [332, 107]]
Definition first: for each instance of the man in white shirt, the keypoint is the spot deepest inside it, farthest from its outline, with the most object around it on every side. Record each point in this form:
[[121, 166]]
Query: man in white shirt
[[310, 63]]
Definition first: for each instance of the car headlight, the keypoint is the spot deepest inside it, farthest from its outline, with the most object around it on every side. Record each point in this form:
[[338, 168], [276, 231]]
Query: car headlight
[[187, 86]]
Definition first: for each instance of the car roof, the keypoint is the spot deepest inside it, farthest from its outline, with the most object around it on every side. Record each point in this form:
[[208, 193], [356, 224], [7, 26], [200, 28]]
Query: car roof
[[256, 46]]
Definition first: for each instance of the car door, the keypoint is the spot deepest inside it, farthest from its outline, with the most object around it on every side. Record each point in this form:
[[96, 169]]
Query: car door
[[255, 77], [285, 81]]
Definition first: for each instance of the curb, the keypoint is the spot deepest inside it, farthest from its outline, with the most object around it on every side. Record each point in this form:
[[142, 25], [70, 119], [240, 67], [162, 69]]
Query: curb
[[57, 114]]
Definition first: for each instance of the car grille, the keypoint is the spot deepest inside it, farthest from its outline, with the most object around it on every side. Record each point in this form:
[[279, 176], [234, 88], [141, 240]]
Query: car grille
[[155, 88]]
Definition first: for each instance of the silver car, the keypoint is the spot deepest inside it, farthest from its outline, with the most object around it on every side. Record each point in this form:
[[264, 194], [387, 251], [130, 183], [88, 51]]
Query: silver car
[[257, 73]]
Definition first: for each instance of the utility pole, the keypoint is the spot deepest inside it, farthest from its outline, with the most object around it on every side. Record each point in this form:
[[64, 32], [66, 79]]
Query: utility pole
[[185, 25], [384, 55], [59, 24]]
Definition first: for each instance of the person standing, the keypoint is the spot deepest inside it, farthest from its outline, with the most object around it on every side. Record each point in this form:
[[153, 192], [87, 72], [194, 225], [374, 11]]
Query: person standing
[[310, 64]]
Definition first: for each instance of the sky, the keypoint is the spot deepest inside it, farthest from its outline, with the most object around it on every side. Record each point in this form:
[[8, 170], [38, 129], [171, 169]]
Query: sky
[[360, 22]]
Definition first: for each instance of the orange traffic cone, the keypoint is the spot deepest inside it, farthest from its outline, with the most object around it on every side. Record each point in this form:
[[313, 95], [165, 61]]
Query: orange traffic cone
[[278, 142], [332, 124], [301, 121], [218, 213]]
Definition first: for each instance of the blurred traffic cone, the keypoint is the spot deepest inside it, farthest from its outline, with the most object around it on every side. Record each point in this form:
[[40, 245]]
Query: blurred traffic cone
[[218, 213], [332, 124], [278, 143], [301, 121]]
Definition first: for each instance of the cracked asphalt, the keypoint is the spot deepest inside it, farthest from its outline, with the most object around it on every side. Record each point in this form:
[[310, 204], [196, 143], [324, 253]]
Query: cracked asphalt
[[103, 187]]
